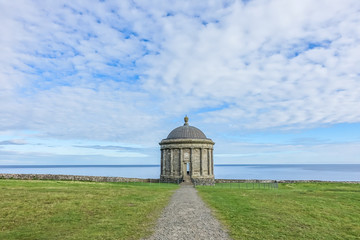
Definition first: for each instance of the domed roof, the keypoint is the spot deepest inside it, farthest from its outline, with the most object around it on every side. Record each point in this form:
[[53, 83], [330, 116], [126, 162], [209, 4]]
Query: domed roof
[[186, 131]]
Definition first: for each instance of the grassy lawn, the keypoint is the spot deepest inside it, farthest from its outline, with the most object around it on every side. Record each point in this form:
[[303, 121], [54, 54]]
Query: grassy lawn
[[294, 211], [79, 210]]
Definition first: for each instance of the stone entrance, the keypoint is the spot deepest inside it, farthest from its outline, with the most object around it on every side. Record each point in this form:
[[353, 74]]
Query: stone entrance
[[186, 172]]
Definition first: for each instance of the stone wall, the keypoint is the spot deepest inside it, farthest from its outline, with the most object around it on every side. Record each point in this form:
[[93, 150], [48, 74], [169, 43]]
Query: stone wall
[[277, 181], [197, 181], [74, 178]]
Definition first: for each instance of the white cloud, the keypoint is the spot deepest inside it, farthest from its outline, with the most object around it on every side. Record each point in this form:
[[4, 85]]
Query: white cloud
[[122, 71], [262, 58]]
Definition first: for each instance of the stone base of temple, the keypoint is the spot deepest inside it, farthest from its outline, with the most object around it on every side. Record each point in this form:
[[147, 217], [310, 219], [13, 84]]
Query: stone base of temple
[[209, 181], [203, 181], [171, 179]]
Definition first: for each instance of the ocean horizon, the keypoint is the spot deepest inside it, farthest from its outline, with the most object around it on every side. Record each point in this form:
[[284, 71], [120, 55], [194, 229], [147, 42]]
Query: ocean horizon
[[321, 172]]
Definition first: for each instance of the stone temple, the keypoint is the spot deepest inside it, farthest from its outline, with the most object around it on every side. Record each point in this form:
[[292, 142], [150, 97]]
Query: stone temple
[[187, 156]]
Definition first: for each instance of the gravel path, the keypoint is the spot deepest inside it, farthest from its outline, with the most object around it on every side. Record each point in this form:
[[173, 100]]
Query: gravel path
[[187, 217]]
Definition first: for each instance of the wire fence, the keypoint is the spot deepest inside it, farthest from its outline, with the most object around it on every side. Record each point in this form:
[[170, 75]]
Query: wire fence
[[247, 185], [228, 185], [151, 182], [222, 183]]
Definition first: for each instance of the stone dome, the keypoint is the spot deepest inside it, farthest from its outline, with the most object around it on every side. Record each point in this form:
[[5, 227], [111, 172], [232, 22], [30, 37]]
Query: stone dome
[[186, 131]]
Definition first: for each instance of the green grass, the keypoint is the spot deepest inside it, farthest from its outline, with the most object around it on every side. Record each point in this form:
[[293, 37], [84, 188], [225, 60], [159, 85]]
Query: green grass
[[294, 211], [80, 210]]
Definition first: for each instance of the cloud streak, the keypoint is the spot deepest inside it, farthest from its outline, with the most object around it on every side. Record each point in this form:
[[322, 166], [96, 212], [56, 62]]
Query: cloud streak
[[119, 148], [13, 142]]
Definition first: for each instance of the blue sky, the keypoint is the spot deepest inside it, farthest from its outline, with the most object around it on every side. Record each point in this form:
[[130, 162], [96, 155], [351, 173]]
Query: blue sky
[[102, 82]]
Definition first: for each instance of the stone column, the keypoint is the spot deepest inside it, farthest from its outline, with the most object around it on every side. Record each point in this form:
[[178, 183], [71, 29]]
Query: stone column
[[180, 161], [208, 161], [191, 162], [161, 162], [171, 162], [201, 161], [163, 159], [212, 162]]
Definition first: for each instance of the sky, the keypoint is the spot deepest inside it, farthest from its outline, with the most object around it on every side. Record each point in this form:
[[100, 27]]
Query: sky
[[103, 82]]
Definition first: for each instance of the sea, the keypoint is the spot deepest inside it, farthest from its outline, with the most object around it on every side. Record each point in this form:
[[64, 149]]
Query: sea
[[323, 172]]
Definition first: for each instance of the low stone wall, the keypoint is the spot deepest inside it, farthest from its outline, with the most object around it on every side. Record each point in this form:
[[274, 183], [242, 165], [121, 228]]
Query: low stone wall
[[277, 181], [148, 180], [74, 178]]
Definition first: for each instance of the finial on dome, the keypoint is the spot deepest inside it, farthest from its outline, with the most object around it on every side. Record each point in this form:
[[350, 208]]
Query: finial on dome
[[186, 119]]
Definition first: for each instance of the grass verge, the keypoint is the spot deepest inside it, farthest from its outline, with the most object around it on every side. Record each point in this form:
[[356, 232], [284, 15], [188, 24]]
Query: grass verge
[[40, 209], [294, 211]]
